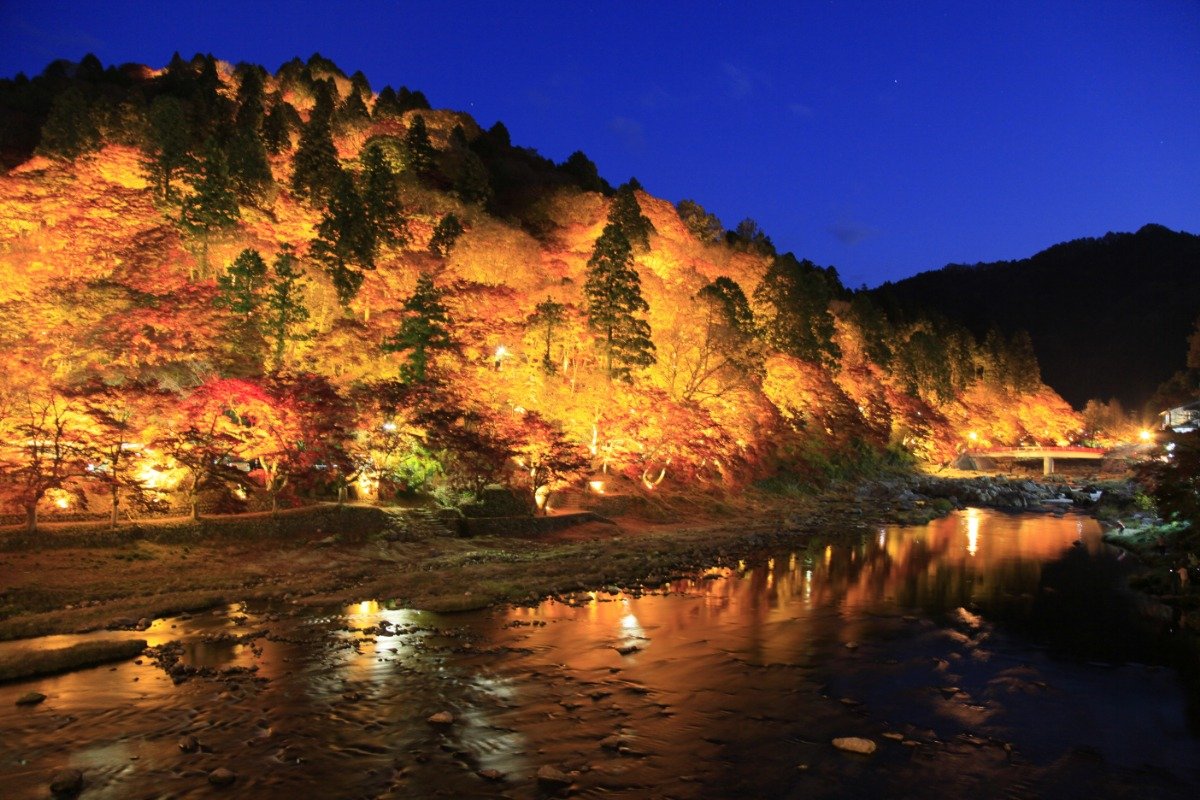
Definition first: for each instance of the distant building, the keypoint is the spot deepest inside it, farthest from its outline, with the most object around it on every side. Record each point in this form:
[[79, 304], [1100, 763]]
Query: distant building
[[1182, 419]]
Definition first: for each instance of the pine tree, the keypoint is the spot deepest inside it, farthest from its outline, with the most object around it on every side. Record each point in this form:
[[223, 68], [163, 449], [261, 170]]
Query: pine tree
[[445, 235], [352, 113], [210, 109], [626, 214], [70, 130], [547, 315], [425, 330], [613, 297], [251, 102], [387, 106], [243, 290], [248, 166], [285, 304], [583, 173], [212, 206], [278, 127], [420, 157], [466, 170], [381, 198], [345, 243], [242, 285], [794, 297], [168, 148], [316, 165]]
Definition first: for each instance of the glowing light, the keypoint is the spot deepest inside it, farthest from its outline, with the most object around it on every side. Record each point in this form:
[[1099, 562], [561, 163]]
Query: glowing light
[[151, 478], [973, 436], [62, 502], [240, 491], [1145, 435], [540, 495], [651, 483], [596, 486], [389, 426], [367, 484], [501, 352], [972, 531]]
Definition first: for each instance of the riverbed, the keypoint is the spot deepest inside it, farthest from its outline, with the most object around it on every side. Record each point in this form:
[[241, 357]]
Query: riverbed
[[985, 655]]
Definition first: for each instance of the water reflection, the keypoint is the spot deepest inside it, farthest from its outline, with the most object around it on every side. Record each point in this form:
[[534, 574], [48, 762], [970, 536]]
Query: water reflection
[[718, 687]]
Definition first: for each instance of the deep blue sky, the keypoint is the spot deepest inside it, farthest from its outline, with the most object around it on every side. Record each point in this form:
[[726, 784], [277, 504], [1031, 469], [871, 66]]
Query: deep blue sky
[[881, 137]]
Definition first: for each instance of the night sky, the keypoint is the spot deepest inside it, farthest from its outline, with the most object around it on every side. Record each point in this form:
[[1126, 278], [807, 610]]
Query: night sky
[[881, 137]]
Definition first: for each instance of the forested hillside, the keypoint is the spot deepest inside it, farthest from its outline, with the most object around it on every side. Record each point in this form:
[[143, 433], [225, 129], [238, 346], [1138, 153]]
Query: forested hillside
[[1109, 317], [223, 287]]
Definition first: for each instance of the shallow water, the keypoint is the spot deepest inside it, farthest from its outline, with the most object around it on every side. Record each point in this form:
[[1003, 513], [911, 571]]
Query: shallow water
[[999, 650]]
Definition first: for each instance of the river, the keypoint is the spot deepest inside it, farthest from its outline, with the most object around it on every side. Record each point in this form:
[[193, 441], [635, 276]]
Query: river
[[985, 654]]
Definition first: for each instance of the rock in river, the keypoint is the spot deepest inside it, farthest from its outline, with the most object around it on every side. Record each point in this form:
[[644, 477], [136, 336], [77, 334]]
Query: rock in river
[[189, 743], [221, 777], [551, 778], [66, 783], [441, 718], [30, 699], [854, 744]]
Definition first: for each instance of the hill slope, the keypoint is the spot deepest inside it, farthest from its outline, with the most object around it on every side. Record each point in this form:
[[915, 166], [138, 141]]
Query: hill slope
[[1109, 317]]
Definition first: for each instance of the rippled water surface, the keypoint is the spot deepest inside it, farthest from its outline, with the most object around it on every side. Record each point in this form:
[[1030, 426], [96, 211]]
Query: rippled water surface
[[986, 655]]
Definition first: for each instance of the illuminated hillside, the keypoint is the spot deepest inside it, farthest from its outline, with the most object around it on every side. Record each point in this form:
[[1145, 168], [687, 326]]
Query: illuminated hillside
[[415, 303]]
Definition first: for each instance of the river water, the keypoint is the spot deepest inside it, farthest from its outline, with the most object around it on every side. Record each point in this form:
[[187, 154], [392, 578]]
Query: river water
[[986, 655]]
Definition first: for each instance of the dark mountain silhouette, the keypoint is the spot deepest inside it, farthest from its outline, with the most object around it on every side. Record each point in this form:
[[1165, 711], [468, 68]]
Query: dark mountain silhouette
[[1109, 317]]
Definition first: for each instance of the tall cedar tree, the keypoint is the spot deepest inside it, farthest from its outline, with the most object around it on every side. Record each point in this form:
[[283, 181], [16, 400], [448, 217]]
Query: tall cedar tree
[[445, 235], [387, 106], [613, 296], [278, 126], [248, 166], [70, 130], [212, 207], [795, 297], [210, 109], [286, 310], [547, 315], [316, 167], [426, 329], [466, 170], [345, 243], [243, 291], [381, 198], [420, 157], [167, 153], [626, 214], [243, 284], [583, 173]]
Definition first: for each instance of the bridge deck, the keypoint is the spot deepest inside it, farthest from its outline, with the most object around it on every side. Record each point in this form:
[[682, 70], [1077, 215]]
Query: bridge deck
[[1047, 454]]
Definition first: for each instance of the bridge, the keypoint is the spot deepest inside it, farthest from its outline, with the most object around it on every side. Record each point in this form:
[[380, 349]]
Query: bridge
[[1047, 454]]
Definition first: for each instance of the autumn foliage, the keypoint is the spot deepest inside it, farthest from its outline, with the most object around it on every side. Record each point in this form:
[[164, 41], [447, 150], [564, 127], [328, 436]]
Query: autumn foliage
[[408, 303]]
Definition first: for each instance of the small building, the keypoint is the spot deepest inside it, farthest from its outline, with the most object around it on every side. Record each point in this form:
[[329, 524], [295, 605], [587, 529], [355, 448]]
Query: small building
[[1182, 419]]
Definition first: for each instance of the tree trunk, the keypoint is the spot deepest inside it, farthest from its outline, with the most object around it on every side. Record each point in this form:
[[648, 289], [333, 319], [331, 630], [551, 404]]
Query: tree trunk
[[115, 502], [274, 504], [195, 509], [31, 517]]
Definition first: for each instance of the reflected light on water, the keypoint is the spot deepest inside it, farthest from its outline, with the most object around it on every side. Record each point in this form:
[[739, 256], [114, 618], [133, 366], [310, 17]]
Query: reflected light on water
[[972, 530]]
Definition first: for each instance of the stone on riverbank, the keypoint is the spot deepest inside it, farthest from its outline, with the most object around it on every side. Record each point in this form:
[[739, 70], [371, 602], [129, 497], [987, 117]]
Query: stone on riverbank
[[441, 718], [854, 744]]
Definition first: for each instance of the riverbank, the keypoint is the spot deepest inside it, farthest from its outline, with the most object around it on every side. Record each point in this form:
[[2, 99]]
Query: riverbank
[[129, 579]]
